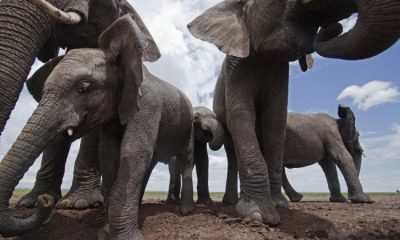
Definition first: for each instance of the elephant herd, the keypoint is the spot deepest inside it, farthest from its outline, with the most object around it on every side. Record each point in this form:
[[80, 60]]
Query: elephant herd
[[129, 119]]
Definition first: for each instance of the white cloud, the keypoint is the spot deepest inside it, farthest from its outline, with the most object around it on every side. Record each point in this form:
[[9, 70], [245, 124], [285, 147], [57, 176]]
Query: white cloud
[[371, 94]]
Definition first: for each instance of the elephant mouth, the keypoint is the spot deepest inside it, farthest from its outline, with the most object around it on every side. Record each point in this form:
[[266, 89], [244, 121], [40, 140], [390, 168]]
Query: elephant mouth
[[208, 135]]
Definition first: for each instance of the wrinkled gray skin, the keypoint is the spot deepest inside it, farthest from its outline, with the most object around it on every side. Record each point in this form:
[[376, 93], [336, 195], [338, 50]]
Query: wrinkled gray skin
[[99, 88], [260, 37], [320, 138], [27, 33], [207, 129]]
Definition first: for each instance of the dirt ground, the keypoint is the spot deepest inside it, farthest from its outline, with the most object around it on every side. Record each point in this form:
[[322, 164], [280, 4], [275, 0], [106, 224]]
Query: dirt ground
[[313, 218]]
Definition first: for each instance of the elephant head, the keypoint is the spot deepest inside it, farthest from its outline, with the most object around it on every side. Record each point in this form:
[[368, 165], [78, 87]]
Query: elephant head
[[287, 30], [207, 128], [86, 88], [350, 135], [29, 31]]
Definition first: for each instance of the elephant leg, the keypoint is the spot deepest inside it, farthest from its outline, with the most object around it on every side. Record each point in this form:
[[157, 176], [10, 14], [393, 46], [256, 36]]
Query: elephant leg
[[344, 161], [109, 155], [185, 159], [174, 181], [51, 172], [153, 163], [137, 147], [255, 196], [293, 195], [231, 188], [85, 190], [201, 162], [329, 168], [272, 127]]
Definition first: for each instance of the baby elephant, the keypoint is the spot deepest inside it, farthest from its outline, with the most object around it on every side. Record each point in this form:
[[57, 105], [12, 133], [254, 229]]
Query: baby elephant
[[321, 138], [207, 129], [141, 120]]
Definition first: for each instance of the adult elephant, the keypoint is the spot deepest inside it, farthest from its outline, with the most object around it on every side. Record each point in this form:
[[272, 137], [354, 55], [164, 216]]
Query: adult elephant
[[260, 37], [28, 32], [207, 130], [320, 138]]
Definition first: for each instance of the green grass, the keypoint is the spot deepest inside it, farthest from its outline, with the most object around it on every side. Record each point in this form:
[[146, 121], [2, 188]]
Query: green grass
[[218, 195]]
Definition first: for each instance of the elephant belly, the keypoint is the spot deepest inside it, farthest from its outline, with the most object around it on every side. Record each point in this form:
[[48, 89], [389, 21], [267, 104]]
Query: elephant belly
[[302, 149]]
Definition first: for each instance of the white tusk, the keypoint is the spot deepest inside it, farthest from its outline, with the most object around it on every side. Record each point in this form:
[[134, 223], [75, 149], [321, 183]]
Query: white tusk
[[61, 16], [310, 61], [70, 132]]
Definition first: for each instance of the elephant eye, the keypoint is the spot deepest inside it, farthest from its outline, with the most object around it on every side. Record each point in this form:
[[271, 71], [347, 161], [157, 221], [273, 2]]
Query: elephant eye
[[84, 87]]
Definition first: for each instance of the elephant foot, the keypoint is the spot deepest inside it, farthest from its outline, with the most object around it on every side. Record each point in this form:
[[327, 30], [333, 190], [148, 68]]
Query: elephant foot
[[171, 199], [338, 198], [230, 198], [360, 198], [104, 234], [258, 210], [204, 200], [279, 200], [81, 199], [186, 206], [30, 199], [295, 197]]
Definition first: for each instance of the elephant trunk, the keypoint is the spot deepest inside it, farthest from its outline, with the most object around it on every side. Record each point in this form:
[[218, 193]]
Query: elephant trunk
[[40, 129], [24, 31], [377, 28], [218, 136]]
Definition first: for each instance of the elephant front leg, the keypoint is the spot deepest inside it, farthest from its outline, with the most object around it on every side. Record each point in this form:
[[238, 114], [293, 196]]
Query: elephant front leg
[[85, 191], [344, 161], [231, 196], [174, 181], [201, 162], [51, 172], [329, 168], [255, 196]]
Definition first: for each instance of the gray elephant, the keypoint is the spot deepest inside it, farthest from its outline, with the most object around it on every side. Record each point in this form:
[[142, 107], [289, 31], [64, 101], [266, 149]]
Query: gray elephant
[[141, 119], [207, 129], [28, 32], [260, 37], [320, 138]]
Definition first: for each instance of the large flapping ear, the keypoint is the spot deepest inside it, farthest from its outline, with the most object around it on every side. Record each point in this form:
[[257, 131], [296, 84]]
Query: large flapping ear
[[224, 25], [129, 46], [36, 82]]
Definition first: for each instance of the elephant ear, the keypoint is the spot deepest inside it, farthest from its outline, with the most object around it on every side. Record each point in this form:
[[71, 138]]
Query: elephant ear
[[36, 82], [224, 25], [128, 46]]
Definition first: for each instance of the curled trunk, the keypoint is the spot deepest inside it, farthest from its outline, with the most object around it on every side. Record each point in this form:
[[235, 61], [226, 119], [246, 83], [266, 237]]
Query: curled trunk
[[377, 28], [40, 129]]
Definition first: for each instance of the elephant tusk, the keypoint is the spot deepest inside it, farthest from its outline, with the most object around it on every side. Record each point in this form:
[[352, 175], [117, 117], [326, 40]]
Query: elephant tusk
[[310, 61], [61, 16], [70, 132]]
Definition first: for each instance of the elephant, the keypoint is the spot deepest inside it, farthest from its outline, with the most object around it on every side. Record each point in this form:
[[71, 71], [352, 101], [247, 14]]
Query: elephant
[[141, 118], [28, 32], [260, 38], [320, 138], [207, 129]]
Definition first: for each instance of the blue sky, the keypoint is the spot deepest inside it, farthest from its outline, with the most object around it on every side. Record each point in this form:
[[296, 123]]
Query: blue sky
[[371, 87]]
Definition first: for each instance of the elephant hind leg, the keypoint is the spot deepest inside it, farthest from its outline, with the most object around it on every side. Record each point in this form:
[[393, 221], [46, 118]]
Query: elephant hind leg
[[293, 195], [85, 191], [185, 159]]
